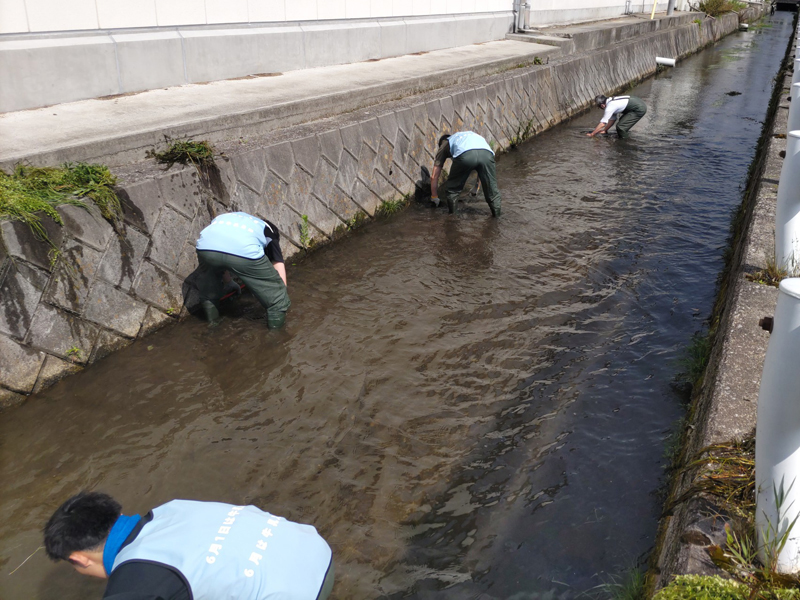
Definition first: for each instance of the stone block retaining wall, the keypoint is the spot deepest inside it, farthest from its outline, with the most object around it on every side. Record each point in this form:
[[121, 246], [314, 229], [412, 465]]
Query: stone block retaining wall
[[106, 289]]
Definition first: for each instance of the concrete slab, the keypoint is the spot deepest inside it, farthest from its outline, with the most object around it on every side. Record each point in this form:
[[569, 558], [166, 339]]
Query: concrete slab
[[120, 130]]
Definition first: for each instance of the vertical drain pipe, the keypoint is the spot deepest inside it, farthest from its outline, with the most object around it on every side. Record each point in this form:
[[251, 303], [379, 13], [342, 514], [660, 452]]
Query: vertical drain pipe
[[778, 435], [787, 211], [794, 108], [796, 74]]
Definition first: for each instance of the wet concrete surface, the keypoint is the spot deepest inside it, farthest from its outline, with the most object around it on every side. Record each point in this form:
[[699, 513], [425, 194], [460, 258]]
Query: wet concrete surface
[[464, 407]]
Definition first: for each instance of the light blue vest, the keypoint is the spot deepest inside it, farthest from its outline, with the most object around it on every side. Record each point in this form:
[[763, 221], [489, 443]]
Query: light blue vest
[[467, 140], [227, 552], [236, 233]]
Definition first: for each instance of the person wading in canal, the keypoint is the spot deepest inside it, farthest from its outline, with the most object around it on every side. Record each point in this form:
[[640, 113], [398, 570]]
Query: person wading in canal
[[470, 152], [248, 247], [186, 550], [629, 109]]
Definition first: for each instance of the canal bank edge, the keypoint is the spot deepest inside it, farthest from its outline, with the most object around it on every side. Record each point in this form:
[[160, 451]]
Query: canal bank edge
[[106, 289], [723, 409]]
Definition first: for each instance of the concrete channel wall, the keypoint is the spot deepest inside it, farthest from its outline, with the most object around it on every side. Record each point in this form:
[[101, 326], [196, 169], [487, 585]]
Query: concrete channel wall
[[724, 410], [106, 289]]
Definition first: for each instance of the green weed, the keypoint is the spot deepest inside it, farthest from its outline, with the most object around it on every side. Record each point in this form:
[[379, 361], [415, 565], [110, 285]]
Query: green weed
[[629, 586], [714, 8], [695, 359], [185, 152], [537, 60], [30, 192], [391, 207], [74, 353], [305, 235], [772, 274]]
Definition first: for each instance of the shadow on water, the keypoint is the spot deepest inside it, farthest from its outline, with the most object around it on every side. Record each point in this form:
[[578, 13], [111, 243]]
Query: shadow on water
[[465, 408]]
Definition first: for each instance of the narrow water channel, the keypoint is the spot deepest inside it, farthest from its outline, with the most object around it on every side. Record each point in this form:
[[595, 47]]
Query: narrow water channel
[[464, 407]]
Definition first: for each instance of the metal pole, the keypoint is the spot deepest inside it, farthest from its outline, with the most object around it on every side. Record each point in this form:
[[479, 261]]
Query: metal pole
[[787, 210], [670, 7], [778, 436]]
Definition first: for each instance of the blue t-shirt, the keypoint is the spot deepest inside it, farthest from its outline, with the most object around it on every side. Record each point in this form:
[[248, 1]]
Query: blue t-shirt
[[241, 234]]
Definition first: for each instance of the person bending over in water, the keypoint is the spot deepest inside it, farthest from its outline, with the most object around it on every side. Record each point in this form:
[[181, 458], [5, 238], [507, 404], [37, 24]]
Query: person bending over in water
[[630, 110], [249, 248], [185, 550], [470, 152]]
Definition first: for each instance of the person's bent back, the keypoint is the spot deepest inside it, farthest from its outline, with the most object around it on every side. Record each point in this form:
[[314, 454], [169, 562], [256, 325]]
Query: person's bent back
[[192, 550]]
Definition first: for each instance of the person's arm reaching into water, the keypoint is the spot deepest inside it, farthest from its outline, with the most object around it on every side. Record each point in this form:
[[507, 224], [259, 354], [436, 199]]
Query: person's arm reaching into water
[[602, 128]]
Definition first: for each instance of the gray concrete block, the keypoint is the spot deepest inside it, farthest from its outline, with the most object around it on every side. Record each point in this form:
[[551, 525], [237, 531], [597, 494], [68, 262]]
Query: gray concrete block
[[323, 181], [281, 161], [246, 200], [20, 293], [75, 271], [338, 42], [21, 242], [61, 333], [434, 109], [19, 366], [141, 203], [188, 261], [86, 225], [113, 309], [434, 33], [84, 66], [347, 173], [352, 138], [394, 40], [223, 189], [108, 343], [307, 153], [366, 165], [384, 157], [389, 126], [149, 60], [158, 286], [9, 398], [342, 204], [304, 203], [169, 237], [122, 259], [371, 133], [405, 121], [366, 199], [154, 321], [251, 169], [448, 112], [180, 190], [331, 145], [53, 370]]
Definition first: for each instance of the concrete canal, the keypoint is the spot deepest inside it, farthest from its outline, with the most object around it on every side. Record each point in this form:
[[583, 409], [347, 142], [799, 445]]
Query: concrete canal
[[464, 407]]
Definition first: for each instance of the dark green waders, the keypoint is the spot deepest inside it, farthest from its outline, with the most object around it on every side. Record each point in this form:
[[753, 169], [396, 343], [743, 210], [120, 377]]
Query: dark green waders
[[258, 275], [481, 161], [635, 110]]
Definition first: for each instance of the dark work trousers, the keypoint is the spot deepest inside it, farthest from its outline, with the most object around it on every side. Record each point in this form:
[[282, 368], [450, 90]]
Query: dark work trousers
[[635, 110], [481, 161], [258, 275]]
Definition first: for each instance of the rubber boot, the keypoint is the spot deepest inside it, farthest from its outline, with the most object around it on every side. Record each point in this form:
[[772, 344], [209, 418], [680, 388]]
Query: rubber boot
[[276, 320], [495, 210], [452, 205], [211, 312]]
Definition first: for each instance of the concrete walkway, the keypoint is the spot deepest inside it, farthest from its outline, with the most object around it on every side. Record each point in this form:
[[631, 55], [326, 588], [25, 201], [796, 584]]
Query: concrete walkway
[[120, 129]]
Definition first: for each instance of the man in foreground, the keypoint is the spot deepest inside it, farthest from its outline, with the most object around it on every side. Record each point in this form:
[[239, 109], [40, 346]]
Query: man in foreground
[[625, 111], [470, 152], [249, 248], [186, 550]]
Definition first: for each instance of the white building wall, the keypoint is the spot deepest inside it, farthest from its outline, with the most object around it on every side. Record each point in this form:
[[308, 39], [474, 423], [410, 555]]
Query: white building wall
[[36, 16]]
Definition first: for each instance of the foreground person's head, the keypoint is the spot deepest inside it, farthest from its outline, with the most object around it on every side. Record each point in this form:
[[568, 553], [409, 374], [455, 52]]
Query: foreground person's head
[[600, 101], [78, 530]]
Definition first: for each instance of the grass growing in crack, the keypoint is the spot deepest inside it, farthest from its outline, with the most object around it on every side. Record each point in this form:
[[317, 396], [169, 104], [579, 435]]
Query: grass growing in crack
[[74, 353], [305, 233], [29, 192], [772, 274], [391, 207], [695, 359], [523, 133], [628, 586], [185, 153]]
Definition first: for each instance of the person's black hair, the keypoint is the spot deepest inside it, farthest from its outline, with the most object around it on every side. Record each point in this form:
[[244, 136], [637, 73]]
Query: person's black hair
[[82, 523], [443, 138], [600, 99]]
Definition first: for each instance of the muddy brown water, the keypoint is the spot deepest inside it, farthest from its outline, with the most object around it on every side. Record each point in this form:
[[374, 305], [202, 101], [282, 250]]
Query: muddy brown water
[[464, 407]]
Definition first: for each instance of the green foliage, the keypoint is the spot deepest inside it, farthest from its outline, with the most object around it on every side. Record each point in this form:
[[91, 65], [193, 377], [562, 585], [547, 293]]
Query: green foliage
[[537, 60], [31, 191], [772, 274], [714, 8], [185, 152], [699, 22], [74, 353], [523, 133], [699, 587]]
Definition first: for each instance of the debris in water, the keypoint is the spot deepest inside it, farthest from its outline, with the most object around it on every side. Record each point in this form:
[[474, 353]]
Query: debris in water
[[734, 93]]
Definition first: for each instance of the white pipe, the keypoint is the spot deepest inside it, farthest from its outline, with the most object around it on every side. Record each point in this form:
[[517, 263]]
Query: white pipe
[[743, 26], [670, 62], [796, 74], [778, 433], [793, 123], [787, 211]]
